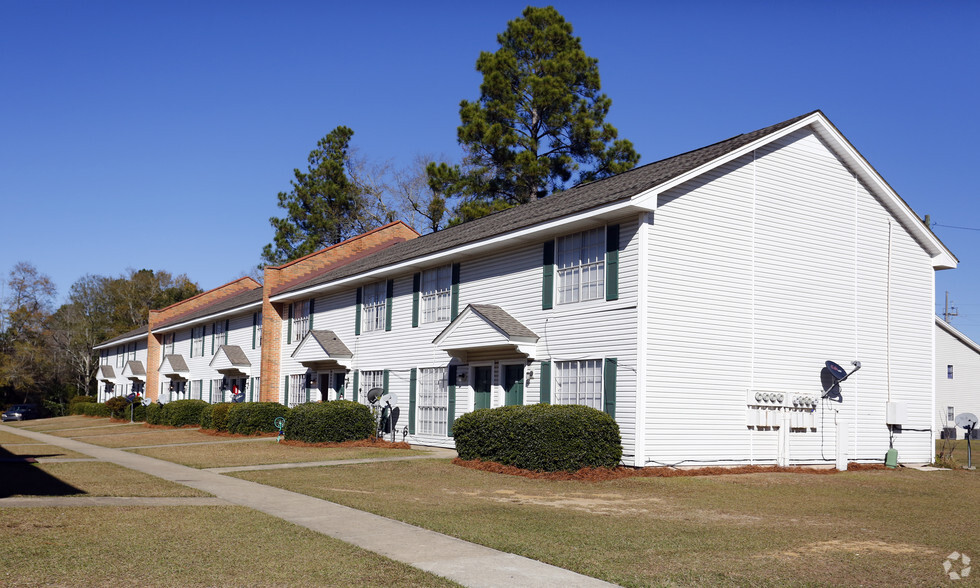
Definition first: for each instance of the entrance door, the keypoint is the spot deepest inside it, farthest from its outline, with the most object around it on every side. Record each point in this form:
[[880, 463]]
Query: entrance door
[[482, 381], [323, 383], [338, 384], [513, 384]]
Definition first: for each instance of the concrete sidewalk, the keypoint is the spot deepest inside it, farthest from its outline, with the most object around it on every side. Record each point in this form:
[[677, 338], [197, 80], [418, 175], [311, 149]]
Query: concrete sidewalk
[[461, 561]]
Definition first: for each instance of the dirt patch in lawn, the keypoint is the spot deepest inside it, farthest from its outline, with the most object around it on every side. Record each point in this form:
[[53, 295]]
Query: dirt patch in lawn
[[605, 474], [373, 443]]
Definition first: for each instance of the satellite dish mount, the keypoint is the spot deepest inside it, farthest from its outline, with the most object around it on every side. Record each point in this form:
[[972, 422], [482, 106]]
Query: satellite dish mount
[[968, 421], [831, 376]]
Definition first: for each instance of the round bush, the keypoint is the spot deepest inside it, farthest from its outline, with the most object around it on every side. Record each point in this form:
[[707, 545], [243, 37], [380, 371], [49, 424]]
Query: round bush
[[183, 412], [154, 414], [248, 418], [542, 437], [215, 417], [117, 406], [330, 422], [96, 409]]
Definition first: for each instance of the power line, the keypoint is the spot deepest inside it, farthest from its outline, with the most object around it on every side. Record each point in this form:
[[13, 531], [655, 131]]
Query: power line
[[955, 227]]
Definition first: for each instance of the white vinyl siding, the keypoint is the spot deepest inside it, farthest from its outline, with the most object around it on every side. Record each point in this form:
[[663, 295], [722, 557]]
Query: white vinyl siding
[[373, 313], [581, 266], [436, 294], [433, 401], [579, 382], [301, 319]]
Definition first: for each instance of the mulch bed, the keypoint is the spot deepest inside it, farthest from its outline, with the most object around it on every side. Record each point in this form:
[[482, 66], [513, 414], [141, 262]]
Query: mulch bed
[[372, 442], [604, 474]]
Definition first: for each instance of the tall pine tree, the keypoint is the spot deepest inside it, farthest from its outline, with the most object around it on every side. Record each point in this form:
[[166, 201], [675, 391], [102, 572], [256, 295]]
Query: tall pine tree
[[539, 124]]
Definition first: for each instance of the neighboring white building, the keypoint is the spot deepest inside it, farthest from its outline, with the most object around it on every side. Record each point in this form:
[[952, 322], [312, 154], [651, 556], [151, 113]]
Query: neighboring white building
[[696, 299], [122, 365], [957, 378]]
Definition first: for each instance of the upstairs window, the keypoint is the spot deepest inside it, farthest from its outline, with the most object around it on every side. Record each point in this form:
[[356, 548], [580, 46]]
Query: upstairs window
[[301, 319], [949, 372], [257, 330], [373, 317], [132, 352], [120, 356], [581, 266], [219, 336], [437, 294], [197, 341], [168, 345]]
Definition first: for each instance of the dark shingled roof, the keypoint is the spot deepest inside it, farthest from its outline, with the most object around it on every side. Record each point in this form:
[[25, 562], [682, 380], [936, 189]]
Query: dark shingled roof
[[177, 363], [503, 321], [331, 343], [136, 368], [221, 305], [577, 199], [235, 355], [107, 371], [126, 335]]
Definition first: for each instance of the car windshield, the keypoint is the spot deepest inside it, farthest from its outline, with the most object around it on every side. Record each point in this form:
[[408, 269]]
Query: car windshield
[[21, 407]]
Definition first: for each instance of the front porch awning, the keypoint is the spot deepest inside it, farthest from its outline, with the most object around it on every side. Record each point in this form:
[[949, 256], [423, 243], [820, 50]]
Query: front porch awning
[[323, 350], [106, 374], [134, 371], [174, 367], [230, 360], [486, 327]]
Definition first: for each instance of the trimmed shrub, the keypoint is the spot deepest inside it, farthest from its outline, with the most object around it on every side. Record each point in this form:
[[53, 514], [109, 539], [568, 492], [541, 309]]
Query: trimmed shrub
[[75, 404], [542, 437], [248, 418], [215, 417], [96, 409], [330, 422], [117, 406], [183, 412], [155, 414]]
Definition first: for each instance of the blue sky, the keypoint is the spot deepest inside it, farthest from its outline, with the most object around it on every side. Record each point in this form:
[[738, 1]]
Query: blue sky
[[157, 134]]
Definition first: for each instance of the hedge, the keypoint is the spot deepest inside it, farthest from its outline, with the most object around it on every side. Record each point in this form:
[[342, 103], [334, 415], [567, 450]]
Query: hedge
[[117, 405], [155, 414], [183, 412], [215, 416], [325, 422], [80, 400], [96, 409], [540, 437], [248, 418]]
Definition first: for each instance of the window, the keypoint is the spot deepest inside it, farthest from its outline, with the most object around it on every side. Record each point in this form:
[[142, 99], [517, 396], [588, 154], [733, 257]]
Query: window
[[373, 317], [168, 344], [369, 380], [579, 382], [301, 319], [436, 294], [257, 330], [949, 372], [197, 341], [433, 401], [219, 336], [132, 352], [297, 389], [197, 386], [120, 355], [581, 266], [949, 414]]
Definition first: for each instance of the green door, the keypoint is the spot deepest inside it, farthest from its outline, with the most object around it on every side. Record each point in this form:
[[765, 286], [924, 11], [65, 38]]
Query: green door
[[514, 384], [338, 384], [483, 379]]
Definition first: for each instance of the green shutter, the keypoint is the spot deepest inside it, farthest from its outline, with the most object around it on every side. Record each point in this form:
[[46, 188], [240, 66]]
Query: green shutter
[[227, 328], [389, 294], [309, 382], [411, 399], [191, 354], [451, 414], [548, 276], [454, 294], [210, 391], [289, 325], [255, 320], [545, 375], [286, 390], [357, 311], [310, 323], [355, 381], [612, 262], [416, 290], [384, 381], [609, 385], [212, 338], [251, 383]]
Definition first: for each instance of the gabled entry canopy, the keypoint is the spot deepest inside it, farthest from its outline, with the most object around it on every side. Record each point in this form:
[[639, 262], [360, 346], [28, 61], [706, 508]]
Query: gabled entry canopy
[[486, 327], [174, 367], [230, 360], [106, 374], [134, 371], [323, 350]]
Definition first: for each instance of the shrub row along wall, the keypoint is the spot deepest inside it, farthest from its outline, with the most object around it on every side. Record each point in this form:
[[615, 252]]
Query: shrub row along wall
[[541, 437], [330, 422]]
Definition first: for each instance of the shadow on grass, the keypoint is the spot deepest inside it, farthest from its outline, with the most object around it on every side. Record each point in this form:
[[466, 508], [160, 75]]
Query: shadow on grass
[[19, 477]]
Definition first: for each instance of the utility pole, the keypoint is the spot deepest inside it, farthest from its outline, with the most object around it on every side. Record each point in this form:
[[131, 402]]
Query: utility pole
[[949, 311]]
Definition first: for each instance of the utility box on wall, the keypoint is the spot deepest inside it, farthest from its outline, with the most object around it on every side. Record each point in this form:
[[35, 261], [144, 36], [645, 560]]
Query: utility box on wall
[[896, 413]]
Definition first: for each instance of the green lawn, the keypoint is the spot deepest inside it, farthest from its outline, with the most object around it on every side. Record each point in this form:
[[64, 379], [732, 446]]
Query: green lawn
[[258, 453], [869, 528], [183, 546]]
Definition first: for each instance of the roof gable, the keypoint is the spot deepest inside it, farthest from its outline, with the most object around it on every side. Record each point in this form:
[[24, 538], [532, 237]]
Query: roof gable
[[485, 326], [322, 347]]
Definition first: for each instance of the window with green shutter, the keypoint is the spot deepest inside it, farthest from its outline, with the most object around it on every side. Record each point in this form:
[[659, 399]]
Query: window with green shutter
[[548, 276], [545, 379]]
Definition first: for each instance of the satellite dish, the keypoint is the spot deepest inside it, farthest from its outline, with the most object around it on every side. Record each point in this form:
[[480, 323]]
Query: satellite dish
[[374, 394], [389, 399], [831, 376], [966, 420], [240, 397], [836, 370]]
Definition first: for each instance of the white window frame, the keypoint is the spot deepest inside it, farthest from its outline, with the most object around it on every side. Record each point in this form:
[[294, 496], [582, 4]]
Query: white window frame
[[218, 335], [258, 331], [374, 298], [436, 294], [432, 405], [301, 319], [370, 379], [168, 340], [950, 414], [579, 382], [580, 261], [120, 357], [132, 354], [949, 372], [297, 390], [197, 342]]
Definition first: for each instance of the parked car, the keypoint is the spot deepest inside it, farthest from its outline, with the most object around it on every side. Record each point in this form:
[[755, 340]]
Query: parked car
[[21, 412]]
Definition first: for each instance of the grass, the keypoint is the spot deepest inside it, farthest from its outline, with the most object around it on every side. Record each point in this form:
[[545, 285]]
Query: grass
[[259, 453], [31, 448], [90, 478], [6, 437], [147, 436], [110, 430], [960, 451], [870, 528], [183, 546]]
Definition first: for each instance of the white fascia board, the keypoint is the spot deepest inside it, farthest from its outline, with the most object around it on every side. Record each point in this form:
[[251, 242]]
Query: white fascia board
[[593, 216], [957, 334], [140, 337], [208, 318]]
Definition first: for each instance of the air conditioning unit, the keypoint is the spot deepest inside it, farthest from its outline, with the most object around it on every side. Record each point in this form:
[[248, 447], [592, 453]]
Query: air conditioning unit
[[974, 434], [948, 433]]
